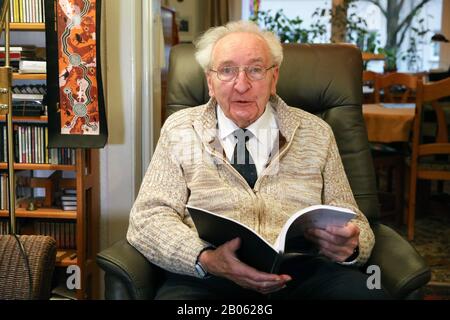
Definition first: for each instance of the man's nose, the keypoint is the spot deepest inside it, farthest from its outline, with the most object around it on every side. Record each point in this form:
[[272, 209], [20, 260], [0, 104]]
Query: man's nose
[[242, 83]]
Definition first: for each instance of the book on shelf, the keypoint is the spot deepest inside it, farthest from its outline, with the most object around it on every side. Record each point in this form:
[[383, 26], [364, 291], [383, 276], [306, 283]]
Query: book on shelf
[[28, 47], [255, 250], [32, 66], [28, 108], [69, 208], [69, 197], [69, 202], [28, 96], [29, 89]]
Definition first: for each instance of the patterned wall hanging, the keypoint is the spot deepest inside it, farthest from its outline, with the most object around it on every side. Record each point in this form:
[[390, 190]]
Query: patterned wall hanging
[[76, 109]]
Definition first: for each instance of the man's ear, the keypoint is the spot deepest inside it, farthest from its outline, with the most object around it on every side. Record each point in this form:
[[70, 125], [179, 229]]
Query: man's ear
[[273, 88], [209, 80]]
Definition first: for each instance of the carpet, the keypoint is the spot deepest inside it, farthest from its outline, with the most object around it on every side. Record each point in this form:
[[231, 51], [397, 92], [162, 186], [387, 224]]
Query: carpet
[[432, 241]]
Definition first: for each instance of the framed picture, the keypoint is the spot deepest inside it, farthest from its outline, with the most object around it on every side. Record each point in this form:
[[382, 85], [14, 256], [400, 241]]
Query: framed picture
[[76, 107], [185, 28]]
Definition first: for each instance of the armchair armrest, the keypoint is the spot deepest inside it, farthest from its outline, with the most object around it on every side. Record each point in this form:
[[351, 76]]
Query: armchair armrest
[[128, 274], [403, 270]]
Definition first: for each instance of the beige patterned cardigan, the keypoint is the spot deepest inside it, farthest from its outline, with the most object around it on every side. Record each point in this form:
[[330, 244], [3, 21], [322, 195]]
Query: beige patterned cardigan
[[189, 166]]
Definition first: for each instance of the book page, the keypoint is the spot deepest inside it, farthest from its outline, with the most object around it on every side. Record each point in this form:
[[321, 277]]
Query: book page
[[318, 216], [217, 229]]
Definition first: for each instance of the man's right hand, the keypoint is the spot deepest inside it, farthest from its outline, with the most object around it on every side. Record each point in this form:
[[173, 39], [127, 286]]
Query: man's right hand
[[223, 262]]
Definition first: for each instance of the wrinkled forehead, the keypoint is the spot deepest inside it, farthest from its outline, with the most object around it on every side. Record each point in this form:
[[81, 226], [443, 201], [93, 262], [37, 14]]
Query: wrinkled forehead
[[240, 48]]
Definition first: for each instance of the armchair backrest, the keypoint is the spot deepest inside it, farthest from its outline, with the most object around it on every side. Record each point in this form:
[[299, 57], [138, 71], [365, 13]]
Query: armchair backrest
[[324, 79]]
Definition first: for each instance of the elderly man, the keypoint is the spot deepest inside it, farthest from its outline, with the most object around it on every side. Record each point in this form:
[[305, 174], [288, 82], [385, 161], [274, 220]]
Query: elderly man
[[248, 156]]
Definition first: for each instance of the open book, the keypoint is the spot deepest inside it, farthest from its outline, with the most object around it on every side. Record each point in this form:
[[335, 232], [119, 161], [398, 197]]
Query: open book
[[256, 251]]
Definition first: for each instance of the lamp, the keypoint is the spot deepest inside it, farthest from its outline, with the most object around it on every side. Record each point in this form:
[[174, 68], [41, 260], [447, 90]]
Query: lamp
[[440, 73], [439, 37], [6, 109]]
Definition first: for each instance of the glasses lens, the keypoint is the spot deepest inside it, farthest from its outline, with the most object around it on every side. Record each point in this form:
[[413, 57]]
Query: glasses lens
[[227, 73], [230, 73], [255, 72]]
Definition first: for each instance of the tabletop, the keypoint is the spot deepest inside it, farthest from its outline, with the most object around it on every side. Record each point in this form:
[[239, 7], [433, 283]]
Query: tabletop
[[388, 122]]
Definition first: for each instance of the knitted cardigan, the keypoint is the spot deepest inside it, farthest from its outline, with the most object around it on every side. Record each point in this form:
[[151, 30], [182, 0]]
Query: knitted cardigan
[[189, 167]]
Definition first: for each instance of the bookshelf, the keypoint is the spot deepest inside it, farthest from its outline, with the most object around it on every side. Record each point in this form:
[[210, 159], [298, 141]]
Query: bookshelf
[[29, 76], [85, 218], [28, 26]]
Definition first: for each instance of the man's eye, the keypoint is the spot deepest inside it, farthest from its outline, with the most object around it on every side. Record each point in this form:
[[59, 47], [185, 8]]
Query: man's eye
[[227, 70], [255, 70]]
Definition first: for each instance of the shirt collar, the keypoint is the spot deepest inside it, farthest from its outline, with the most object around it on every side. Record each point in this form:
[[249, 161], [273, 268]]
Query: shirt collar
[[265, 121], [226, 126]]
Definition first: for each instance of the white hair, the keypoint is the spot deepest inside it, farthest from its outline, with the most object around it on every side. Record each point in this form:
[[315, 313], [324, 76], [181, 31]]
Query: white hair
[[207, 41]]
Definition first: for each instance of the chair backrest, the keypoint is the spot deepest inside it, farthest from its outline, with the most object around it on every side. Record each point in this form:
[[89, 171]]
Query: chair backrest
[[429, 157], [431, 94], [324, 79], [368, 78], [396, 86], [15, 268]]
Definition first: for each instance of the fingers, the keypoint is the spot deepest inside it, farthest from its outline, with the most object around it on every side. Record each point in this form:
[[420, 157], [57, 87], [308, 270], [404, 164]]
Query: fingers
[[233, 245], [255, 277], [226, 264], [265, 287], [336, 243], [336, 235], [262, 282], [319, 236], [348, 231]]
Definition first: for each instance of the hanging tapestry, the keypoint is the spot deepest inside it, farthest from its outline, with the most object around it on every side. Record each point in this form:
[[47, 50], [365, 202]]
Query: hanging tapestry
[[74, 85]]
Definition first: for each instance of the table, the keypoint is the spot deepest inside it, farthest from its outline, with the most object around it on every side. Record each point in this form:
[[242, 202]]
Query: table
[[388, 122]]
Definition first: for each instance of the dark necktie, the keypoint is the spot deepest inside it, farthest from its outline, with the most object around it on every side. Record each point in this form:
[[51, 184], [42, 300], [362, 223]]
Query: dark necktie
[[242, 160]]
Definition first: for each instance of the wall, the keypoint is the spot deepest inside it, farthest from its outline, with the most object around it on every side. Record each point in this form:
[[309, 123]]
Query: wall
[[120, 160], [131, 97], [191, 11]]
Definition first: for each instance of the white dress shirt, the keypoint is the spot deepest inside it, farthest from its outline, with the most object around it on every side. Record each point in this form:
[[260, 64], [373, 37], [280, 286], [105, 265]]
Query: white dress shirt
[[262, 141]]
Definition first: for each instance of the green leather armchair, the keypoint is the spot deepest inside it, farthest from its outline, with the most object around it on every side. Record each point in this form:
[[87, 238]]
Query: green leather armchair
[[324, 79]]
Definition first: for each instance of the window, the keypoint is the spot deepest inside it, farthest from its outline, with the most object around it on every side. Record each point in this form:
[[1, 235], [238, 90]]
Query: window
[[419, 48]]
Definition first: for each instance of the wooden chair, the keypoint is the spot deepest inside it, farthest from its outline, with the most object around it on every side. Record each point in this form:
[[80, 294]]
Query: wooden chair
[[426, 160], [397, 87], [368, 78], [389, 160]]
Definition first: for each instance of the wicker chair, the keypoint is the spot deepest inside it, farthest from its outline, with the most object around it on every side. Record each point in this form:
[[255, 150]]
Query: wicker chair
[[15, 281]]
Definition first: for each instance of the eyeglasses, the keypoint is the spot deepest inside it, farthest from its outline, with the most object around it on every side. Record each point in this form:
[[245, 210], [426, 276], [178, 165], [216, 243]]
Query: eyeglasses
[[230, 73]]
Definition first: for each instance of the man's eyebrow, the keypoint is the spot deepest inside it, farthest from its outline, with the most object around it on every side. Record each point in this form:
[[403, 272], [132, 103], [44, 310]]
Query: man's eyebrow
[[231, 62], [257, 60], [226, 62]]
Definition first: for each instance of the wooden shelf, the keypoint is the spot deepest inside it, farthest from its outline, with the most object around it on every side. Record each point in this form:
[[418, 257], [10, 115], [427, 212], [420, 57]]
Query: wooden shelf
[[26, 119], [65, 258], [366, 56], [36, 166], [29, 76], [27, 26], [45, 213]]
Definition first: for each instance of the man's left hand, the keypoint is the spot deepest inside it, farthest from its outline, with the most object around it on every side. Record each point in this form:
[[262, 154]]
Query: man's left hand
[[336, 243]]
